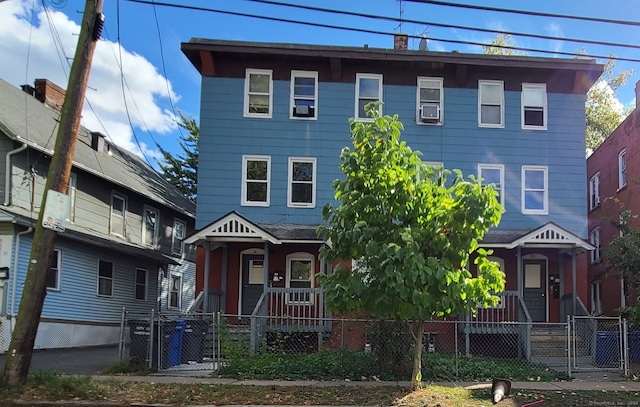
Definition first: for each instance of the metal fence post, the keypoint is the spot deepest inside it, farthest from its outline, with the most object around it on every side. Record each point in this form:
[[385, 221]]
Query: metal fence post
[[568, 330], [150, 341], [625, 347], [121, 343], [455, 330]]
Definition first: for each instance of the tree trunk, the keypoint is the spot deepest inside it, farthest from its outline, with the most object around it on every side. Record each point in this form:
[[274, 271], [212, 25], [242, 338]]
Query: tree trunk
[[417, 328]]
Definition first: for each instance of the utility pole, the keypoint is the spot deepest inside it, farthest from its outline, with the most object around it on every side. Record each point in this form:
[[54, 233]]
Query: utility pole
[[34, 291]]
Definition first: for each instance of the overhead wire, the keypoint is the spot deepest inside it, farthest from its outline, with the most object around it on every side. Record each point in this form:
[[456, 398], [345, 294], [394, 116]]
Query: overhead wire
[[378, 32], [441, 25], [528, 13]]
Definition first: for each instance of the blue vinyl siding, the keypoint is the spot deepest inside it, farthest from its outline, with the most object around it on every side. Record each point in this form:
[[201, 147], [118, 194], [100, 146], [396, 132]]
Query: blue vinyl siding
[[459, 143], [77, 299]]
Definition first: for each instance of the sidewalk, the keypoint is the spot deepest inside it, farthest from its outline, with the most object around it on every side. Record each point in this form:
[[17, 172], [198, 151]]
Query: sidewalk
[[575, 385]]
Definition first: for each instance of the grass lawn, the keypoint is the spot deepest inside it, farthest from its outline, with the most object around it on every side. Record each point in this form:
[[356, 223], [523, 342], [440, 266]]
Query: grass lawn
[[52, 387]]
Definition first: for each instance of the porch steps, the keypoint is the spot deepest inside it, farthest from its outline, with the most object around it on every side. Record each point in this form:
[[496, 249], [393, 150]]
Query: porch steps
[[549, 343]]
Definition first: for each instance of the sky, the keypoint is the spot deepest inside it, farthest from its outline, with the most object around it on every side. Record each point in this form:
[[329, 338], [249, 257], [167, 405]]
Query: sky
[[140, 78]]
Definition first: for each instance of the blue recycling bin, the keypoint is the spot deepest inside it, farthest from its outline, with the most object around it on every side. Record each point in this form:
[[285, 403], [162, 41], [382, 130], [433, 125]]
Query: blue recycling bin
[[175, 343], [633, 338], [607, 348]]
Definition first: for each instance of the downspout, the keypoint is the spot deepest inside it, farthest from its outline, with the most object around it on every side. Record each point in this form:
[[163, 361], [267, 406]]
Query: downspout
[[7, 174], [205, 282], [15, 274]]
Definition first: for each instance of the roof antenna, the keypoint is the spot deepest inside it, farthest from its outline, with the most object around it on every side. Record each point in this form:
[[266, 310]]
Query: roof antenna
[[399, 26]]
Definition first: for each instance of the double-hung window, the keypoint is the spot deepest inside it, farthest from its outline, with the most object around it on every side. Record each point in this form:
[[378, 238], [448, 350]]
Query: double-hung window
[[141, 284], [595, 240], [490, 103], [368, 89], [430, 101], [535, 190], [304, 95], [258, 93], [493, 174], [302, 182], [300, 274], [105, 278], [175, 291], [534, 106], [179, 233], [594, 191], [256, 176], [150, 226], [53, 277], [622, 169], [118, 213]]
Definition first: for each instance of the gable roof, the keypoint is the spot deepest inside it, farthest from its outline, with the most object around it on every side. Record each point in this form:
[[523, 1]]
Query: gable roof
[[548, 235], [234, 227], [26, 120]]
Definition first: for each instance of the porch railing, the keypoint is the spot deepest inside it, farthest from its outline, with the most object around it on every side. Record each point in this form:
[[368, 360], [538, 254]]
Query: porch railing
[[288, 310], [214, 302], [524, 334], [496, 319]]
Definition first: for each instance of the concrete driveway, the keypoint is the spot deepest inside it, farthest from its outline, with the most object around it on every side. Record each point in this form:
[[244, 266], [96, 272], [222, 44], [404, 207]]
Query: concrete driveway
[[80, 361]]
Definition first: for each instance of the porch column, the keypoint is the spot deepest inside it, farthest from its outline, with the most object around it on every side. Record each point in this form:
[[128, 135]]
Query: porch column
[[519, 270], [223, 277], [266, 266], [574, 302], [561, 288], [205, 283]]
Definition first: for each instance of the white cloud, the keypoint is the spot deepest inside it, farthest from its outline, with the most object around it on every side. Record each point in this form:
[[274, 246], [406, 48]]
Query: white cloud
[[29, 51]]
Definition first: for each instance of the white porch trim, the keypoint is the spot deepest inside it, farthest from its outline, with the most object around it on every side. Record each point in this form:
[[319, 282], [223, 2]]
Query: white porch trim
[[553, 235], [232, 227]]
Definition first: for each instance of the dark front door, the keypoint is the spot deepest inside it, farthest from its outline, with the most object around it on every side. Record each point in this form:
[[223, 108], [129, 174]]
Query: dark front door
[[252, 281], [535, 289]]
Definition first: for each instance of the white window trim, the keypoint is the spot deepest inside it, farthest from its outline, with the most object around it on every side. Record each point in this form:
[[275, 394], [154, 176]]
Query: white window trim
[[594, 191], [247, 78], [154, 242], [290, 202], [146, 284], [441, 103], [622, 155], [292, 102], [499, 167], [357, 101], [490, 125], [245, 159], [112, 278], [545, 109], [180, 289], [545, 199], [594, 238], [59, 268], [173, 236], [306, 257], [124, 216]]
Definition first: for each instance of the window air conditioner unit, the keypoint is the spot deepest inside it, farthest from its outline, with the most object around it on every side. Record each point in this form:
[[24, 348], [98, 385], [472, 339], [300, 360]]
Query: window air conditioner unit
[[430, 113], [303, 111]]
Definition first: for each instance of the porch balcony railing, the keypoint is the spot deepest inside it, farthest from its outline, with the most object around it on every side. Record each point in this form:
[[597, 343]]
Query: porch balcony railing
[[214, 300], [495, 319], [288, 310]]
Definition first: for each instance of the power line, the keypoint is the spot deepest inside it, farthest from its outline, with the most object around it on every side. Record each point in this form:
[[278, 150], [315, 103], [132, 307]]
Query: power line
[[431, 23], [368, 31], [528, 13]]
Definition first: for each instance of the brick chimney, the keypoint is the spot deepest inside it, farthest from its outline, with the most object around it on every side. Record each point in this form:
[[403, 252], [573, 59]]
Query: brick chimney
[[400, 41], [49, 93]]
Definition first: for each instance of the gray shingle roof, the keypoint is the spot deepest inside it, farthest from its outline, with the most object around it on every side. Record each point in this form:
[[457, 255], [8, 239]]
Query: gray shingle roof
[[26, 120]]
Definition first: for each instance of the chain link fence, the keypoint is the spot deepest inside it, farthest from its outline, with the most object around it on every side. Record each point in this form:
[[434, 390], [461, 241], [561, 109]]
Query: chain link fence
[[169, 342], [452, 350]]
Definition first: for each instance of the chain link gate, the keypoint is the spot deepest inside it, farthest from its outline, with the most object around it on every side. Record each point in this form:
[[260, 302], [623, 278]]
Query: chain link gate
[[599, 344]]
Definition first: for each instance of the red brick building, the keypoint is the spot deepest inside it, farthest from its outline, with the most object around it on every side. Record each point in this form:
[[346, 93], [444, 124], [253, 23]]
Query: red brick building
[[613, 176]]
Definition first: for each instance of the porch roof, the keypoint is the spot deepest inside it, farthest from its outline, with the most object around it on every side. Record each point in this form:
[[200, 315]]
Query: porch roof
[[549, 235], [234, 227]]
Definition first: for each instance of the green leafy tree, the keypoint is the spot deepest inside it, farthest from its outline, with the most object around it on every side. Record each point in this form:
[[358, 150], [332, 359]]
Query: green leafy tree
[[622, 257], [503, 44], [410, 231], [182, 170], [603, 109]]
